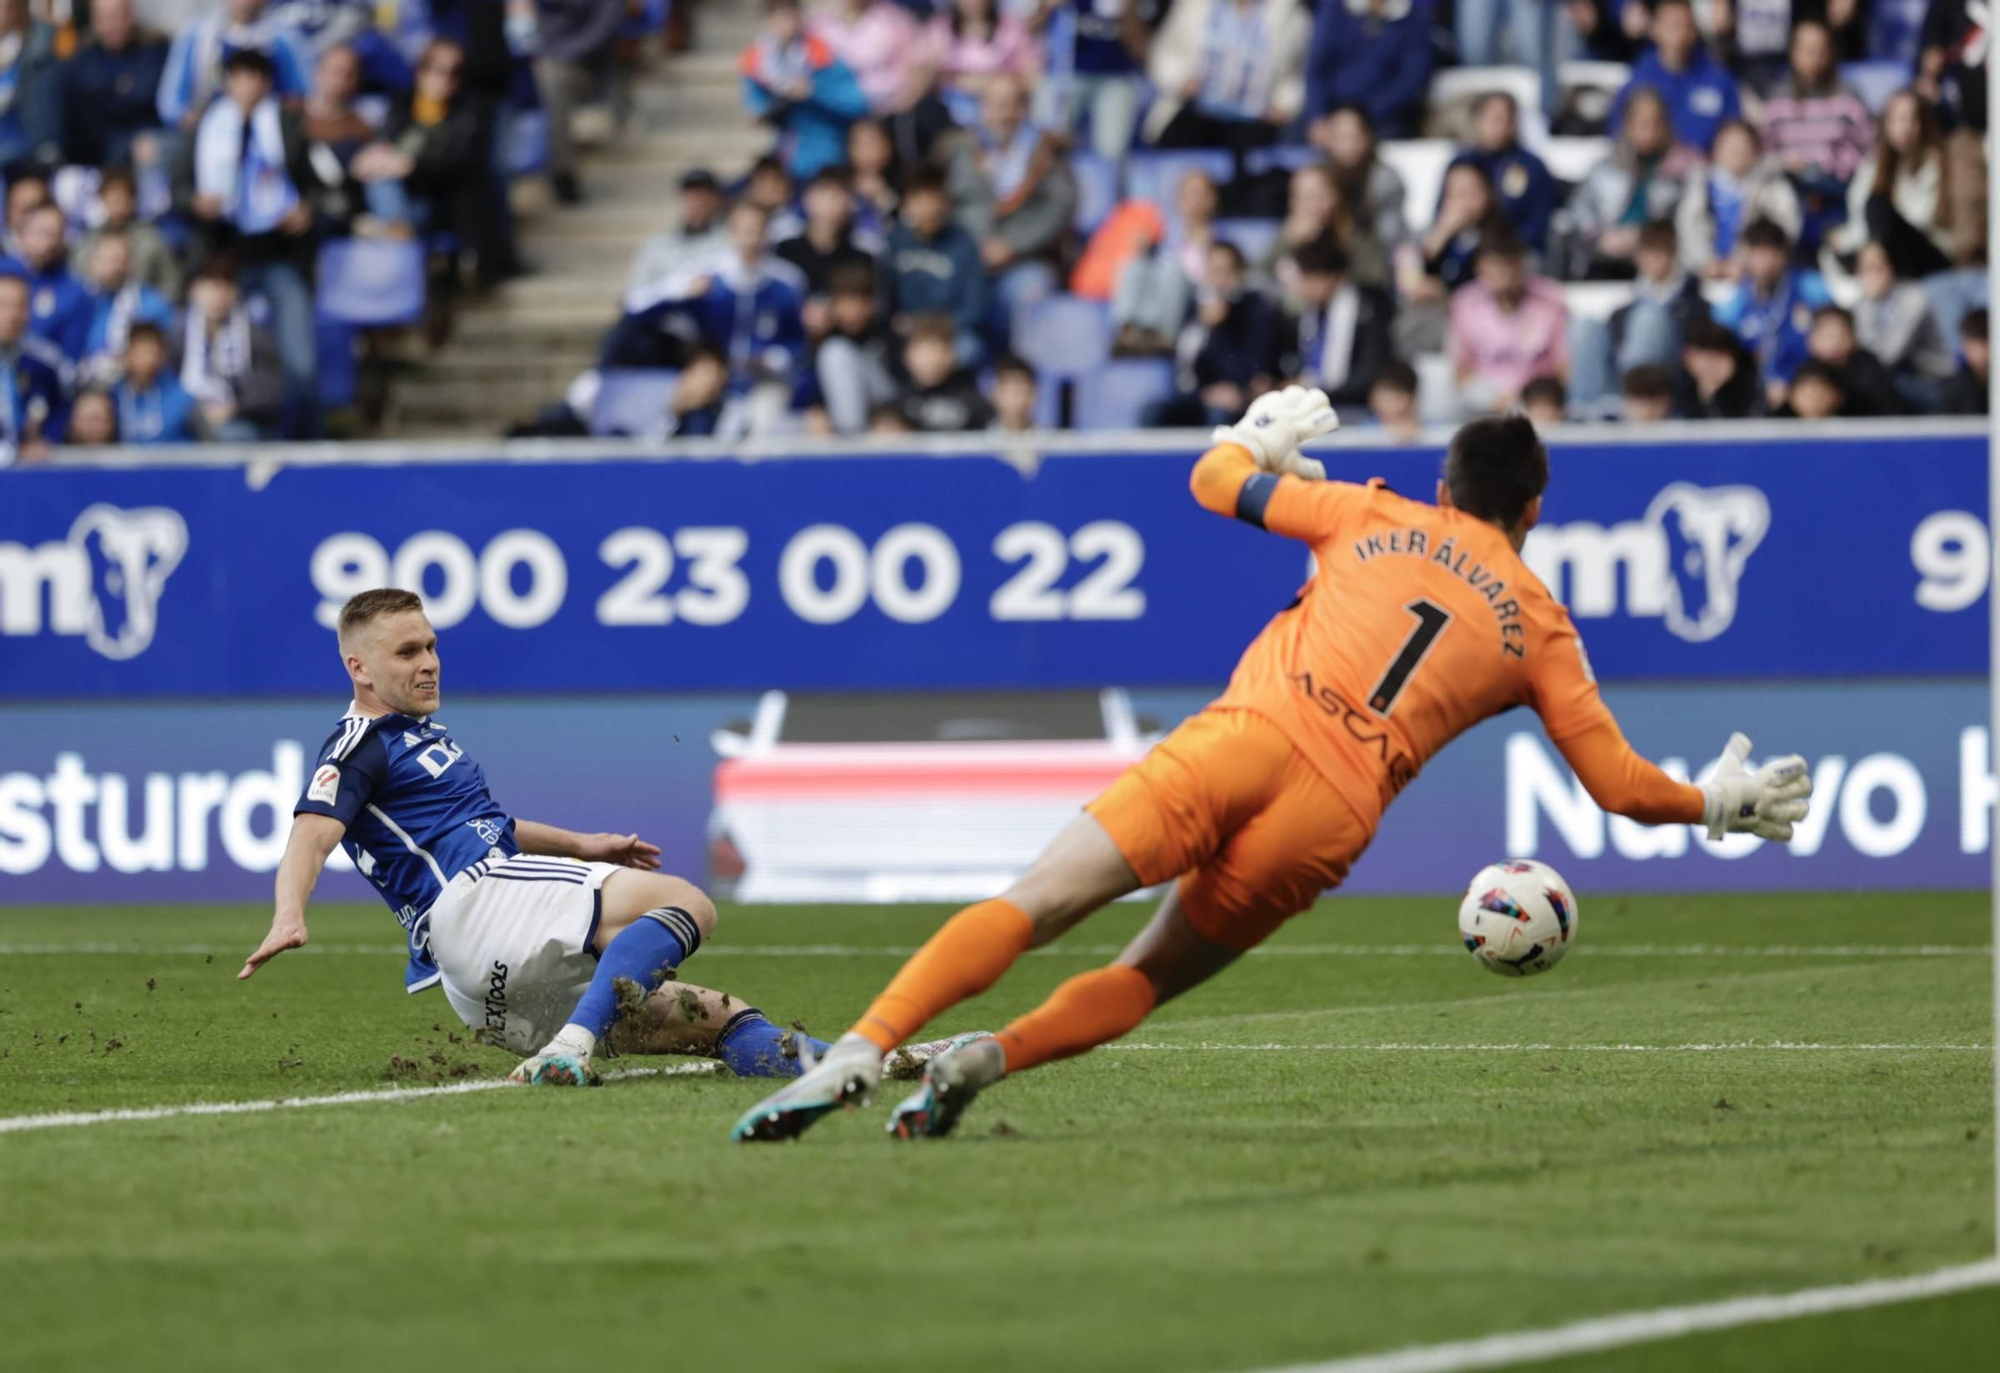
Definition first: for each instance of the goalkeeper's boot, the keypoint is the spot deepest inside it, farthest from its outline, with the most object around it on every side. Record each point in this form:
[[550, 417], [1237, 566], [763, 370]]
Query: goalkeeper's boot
[[564, 1062], [907, 1063], [846, 1076], [951, 1081]]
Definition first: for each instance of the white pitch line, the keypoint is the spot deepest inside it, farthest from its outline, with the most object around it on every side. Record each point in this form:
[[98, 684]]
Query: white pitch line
[[1441, 949], [62, 1119], [1643, 1327], [1723, 1047]]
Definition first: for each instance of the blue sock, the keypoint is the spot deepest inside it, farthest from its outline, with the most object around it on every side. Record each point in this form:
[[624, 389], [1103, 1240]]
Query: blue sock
[[648, 951], [753, 1047]]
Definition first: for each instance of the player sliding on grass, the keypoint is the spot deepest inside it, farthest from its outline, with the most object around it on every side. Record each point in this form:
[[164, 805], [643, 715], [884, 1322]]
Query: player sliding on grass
[[1419, 622], [537, 934]]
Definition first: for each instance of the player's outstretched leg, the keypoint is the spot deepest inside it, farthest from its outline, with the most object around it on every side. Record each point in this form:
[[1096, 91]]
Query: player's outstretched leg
[[1166, 958], [650, 924], [1080, 871]]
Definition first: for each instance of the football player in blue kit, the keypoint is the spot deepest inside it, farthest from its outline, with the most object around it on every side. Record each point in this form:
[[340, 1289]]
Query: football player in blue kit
[[528, 928]]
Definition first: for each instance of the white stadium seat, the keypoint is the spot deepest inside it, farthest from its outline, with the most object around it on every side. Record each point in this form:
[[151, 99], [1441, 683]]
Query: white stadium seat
[[1421, 163], [1570, 159]]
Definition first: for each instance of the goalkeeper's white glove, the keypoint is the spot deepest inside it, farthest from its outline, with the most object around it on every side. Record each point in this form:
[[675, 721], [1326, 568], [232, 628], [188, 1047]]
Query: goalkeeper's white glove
[[1764, 803], [1277, 423]]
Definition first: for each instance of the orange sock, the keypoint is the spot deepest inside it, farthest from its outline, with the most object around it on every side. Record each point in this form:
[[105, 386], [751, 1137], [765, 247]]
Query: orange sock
[[1090, 1009], [961, 960]]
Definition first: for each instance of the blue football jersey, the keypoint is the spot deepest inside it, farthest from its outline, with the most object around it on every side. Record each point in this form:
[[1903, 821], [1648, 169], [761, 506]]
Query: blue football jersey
[[417, 813]]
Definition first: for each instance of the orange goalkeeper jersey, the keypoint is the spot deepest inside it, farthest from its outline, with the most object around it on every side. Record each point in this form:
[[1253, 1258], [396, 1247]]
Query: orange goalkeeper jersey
[[1418, 623]]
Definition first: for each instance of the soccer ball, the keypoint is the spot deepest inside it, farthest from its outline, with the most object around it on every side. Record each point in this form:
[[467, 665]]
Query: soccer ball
[[1518, 917]]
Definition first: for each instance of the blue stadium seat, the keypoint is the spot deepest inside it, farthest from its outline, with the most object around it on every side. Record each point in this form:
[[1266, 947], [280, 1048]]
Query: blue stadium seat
[[1285, 159], [371, 282], [1116, 395], [1096, 187], [1063, 336], [631, 400], [527, 144], [1875, 82], [1253, 236], [1156, 176]]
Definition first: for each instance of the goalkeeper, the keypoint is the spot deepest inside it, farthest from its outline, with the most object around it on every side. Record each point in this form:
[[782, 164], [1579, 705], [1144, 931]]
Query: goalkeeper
[[1419, 622]]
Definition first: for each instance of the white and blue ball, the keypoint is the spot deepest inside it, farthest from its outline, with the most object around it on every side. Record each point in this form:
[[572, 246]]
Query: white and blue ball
[[1518, 917]]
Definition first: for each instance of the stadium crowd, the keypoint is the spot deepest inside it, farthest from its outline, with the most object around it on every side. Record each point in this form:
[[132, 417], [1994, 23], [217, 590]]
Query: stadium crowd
[[1016, 213], [1106, 213]]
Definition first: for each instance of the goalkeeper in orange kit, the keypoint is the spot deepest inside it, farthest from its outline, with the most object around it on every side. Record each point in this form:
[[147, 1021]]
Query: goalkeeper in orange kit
[[1419, 622]]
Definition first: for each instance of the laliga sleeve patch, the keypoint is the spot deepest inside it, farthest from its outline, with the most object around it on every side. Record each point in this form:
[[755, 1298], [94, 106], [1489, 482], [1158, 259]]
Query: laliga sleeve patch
[[325, 785]]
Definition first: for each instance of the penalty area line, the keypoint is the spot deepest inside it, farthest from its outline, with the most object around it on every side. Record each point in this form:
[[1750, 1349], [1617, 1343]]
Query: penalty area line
[[1644, 1327], [64, 1119]]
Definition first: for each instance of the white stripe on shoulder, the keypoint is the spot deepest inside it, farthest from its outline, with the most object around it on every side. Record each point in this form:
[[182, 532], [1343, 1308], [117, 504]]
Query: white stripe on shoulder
[[352, 733]]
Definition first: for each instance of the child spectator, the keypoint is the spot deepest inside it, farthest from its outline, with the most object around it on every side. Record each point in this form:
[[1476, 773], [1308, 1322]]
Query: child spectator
[[1631, 188], [153, 260], [229, 365], [1231, 349], [1429, 270], [1012, 189], [1368, 185], [1527, 192], [1340, 339], [829, 240], [1894, 321], [1864, 382], [1718, 378], [93, 419], [1014, 396], [1392, 400], [199, 58], [881, 43], [110, 87], [59, 308], [795, 84], [1230, 73], [1737, 187], [942, 397], [1698, 91], [699, 236], [878, 178], [934, 267], [246, 178], [33, 409], [1507, 328], [974, 43], [1647, 395], [855, 361], [1107, 65], [1969, 392], [1648, 329], [1545, 402], [1814, 124], [153, 407], [1772, 309], [1374, 54], [1817, 392], [117, 303], [1904, 199]]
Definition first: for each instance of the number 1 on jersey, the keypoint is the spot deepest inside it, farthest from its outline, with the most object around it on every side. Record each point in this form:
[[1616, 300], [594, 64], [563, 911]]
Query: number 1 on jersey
[[1431, 622]]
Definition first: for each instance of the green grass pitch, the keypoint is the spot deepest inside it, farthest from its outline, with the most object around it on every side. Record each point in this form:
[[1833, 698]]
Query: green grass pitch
[[1354, 1141]]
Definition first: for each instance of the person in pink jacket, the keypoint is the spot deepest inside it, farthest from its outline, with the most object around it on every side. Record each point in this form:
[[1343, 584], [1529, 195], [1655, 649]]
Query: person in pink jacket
[[972, 43], [882, 44]]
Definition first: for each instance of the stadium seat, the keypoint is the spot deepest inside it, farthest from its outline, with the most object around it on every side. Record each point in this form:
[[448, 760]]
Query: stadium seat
[[1286, 158], [1595, 299], [1156, 176], [1570, 159], [1096, 189], [1063, 336], [1253, 237], [1421, 163], [527, 144], [371, 282], [1875, 82], [631, 400], [1116, 395], [1454, 89]]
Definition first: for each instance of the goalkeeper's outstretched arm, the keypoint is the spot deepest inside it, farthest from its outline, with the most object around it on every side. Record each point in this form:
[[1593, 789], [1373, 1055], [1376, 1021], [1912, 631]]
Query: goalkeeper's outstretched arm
[[1734, 800]]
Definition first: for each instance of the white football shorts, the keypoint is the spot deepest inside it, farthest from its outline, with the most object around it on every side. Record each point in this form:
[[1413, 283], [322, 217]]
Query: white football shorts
[[512, 939]]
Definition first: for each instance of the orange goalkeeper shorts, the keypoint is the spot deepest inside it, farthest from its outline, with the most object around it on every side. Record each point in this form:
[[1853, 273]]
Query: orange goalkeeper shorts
[[1226, 804]]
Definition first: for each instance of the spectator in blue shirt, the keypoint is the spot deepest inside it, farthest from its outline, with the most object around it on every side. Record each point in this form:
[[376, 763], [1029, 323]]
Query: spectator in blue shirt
[[1772, 311], [193, 73], [1373, 54], [1699, 91], [117, 303], [153, 406], [934, 266], [793, 82], [110, 88], [33, 376], [59, 307], [1521, 180]]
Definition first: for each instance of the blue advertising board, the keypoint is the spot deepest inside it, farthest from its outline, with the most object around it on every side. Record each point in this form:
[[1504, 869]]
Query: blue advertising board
[[156, 803], [1745, 559]]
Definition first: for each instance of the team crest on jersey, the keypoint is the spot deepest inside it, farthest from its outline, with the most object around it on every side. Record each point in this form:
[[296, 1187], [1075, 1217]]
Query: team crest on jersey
[[325, 785]]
